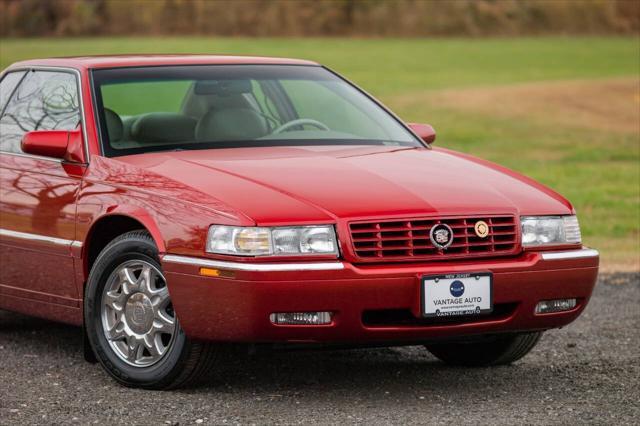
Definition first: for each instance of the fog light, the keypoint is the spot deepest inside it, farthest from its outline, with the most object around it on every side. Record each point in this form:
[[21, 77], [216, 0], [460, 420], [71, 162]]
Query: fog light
[[557, 305], [301, 318]]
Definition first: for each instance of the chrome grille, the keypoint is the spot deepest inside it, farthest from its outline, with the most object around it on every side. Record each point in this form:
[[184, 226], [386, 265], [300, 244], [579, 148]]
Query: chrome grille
[[409, 239]]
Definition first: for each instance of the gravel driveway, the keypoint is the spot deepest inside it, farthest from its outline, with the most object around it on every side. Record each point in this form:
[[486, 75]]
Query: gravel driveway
[[588, 372]]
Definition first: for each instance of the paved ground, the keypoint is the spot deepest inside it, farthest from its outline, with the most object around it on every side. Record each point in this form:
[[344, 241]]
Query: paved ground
[[586, 373]]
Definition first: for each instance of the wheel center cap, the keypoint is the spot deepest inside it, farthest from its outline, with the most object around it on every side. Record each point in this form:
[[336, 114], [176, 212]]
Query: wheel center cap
[[139, 313]]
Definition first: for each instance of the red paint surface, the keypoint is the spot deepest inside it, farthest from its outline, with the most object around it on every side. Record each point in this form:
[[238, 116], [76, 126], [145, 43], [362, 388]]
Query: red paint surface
[[425, 131], [176, 196], [46, 143]]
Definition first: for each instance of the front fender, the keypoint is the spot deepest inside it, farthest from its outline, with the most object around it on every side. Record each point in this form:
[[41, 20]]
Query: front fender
[[177, 227]]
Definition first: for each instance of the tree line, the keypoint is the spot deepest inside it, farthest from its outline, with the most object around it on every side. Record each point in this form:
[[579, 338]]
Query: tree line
[[366, 18]]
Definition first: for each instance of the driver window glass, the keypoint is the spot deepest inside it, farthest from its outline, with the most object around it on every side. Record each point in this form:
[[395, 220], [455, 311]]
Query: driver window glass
[[45, 100], [8, 85]]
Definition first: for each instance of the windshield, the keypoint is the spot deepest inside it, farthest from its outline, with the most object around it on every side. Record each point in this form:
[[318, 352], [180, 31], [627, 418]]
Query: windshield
[[224, 106]]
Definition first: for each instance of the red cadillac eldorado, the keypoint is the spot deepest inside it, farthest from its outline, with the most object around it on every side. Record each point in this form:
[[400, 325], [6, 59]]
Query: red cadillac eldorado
[[173, 204]]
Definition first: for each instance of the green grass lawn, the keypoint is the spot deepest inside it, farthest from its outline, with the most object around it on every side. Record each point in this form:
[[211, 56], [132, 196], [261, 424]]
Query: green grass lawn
[[387, 66], [597, 166]]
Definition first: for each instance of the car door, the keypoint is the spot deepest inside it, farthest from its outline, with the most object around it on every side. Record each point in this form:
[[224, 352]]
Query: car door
[[37, 194]]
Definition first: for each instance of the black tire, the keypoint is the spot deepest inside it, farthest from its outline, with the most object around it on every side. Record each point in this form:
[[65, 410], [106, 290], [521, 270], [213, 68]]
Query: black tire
[[497, 351], [182, 364]]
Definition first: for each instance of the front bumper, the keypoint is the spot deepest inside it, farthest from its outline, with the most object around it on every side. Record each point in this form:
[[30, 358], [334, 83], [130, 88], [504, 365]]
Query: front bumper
[[371, 304]]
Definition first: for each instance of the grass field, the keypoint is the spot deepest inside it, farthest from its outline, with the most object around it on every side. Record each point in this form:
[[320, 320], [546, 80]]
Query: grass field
[[565, 111]]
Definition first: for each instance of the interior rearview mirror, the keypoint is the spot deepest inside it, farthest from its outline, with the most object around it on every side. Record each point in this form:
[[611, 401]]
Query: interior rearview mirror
[[424, 131]]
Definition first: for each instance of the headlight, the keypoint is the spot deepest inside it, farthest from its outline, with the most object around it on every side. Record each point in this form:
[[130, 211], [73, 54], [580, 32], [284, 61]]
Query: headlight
[[278, 241], [550, 230]]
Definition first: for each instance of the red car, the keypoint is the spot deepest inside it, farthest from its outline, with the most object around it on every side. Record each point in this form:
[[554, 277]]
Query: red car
[[170, 204]]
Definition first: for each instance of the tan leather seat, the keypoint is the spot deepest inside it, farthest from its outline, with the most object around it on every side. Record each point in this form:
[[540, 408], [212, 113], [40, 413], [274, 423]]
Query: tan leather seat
[[115, 128], [231, 124], [157, 127]]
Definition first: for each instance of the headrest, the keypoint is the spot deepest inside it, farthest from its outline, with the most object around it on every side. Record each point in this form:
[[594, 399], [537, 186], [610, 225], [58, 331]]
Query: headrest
[[231, 124], [163, 127], [115, 128], [222, 87]]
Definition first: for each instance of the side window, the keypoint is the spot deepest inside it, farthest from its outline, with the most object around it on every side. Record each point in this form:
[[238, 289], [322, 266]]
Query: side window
[[45, 100], [8, 85]]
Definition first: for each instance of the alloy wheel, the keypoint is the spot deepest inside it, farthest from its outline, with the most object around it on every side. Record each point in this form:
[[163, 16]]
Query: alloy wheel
[[138, 320]]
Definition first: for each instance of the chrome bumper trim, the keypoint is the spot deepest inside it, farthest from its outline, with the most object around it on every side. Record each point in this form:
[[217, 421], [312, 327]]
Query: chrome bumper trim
[[254, 267], [572, 254]]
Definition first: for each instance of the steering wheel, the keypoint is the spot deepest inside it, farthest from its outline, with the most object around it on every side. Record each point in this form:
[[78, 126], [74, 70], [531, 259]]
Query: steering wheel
[[299, 122]]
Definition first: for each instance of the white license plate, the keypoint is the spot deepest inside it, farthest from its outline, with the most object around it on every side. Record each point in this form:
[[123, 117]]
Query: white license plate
[[457, 294]]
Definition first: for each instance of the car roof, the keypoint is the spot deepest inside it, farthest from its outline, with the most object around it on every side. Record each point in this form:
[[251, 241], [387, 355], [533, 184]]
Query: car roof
[[117, 61]]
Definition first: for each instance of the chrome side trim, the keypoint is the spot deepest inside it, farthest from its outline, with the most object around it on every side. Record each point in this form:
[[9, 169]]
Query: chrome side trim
[[572, 254], [254, 267], [42, 238]]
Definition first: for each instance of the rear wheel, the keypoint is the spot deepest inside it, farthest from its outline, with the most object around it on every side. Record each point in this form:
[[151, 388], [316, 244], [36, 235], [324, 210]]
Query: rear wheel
[[498, 351], [130, 321]]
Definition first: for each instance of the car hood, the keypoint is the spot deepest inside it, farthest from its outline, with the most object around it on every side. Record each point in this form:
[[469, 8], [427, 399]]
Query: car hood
[[274, 185]]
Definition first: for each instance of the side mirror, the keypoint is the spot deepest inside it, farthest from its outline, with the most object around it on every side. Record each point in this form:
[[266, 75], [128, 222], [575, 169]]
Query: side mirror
[[61, 144], [424, 131]]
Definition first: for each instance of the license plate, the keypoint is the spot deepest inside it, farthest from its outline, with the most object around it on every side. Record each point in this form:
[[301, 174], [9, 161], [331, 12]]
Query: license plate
[[457, 294]]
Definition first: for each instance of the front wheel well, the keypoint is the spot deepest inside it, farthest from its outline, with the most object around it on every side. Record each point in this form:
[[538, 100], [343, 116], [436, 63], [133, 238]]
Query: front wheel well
[[105, 231]]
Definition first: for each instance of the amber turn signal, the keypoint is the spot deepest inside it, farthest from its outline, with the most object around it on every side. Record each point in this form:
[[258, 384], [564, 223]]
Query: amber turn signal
[[210, 272]]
